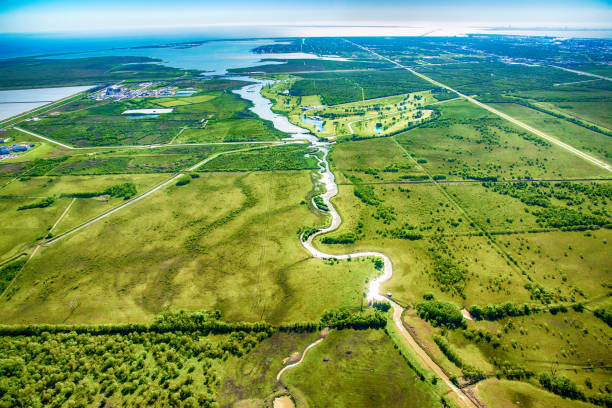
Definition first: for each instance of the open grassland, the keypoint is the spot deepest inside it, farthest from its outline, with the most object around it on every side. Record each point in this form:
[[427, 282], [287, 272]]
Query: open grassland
[[576, 136], [117, 161], [205, 117], [596, 112], [25, 227], [374, 160], [358, 368], [250, 380], [222, 241], [508, 394], [468, 142]]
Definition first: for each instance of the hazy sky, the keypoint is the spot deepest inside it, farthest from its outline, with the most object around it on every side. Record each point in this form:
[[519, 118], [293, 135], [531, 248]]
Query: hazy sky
[[36, 16]]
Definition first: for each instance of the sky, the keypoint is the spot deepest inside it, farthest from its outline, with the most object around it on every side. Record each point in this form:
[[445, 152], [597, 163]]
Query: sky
[[107, 16]]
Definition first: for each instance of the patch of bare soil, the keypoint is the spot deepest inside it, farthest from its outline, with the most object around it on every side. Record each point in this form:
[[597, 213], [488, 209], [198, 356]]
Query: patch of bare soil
[[283, 402], [292, 358]]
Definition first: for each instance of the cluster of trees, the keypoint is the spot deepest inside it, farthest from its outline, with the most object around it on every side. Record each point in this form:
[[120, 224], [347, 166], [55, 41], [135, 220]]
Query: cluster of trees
[[173, 368], [125, 190], [496, 312], [449, 275], [440, 313], [566, 388], [382, 306], [560, 217], [508, 309], [605, 314], [45, 202], [528, 193], [406, 231], [183, 180], [346, 319], [318, 200], [470, 373], [344, 238], [306, 232]]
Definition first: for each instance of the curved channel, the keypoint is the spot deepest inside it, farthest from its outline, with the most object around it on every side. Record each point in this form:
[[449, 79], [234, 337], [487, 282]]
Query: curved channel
[[263, 108]]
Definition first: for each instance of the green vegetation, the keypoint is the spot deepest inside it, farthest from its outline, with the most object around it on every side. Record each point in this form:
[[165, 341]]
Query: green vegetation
[[125, 191], [9, 271], [43, 72], [351, 368], [211, 115], [45, 202], [499, 239], [337, 88], [441, 313], [289, 157]]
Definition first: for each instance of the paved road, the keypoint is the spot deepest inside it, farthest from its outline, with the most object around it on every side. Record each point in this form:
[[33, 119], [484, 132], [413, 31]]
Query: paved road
[[509, 118], [575, 71]]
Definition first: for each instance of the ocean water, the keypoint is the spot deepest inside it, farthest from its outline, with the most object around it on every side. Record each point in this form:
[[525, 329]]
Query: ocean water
[[213, 57]]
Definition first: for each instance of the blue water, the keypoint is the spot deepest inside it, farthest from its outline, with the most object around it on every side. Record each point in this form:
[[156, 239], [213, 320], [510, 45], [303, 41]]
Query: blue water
[[16, 101], [378, 130], [213, 57], [318, 124], [185, 93], [143, 116]]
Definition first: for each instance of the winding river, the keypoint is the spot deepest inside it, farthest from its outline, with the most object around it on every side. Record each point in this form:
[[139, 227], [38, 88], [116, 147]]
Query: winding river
[[263, 108]]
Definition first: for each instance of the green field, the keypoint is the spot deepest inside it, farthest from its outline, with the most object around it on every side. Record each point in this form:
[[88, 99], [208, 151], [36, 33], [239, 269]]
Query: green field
[[358, 368], [194, 264]]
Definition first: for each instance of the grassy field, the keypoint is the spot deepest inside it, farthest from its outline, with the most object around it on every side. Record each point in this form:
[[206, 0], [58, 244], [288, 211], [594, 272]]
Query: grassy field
[[358, 368], [176, 253], [469, 143], [25, 227], [596, 112], [506, 394], [577, 136]]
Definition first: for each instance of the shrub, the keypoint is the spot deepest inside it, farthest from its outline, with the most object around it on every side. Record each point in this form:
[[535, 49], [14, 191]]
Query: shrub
[[45, 202], [441, 313], [183, 180]]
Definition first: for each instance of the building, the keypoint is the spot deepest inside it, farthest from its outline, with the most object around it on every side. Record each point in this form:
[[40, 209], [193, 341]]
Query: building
[[19, 148]]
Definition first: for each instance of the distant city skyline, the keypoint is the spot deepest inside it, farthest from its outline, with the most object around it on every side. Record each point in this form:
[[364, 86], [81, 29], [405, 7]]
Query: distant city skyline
[[96, 16]]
